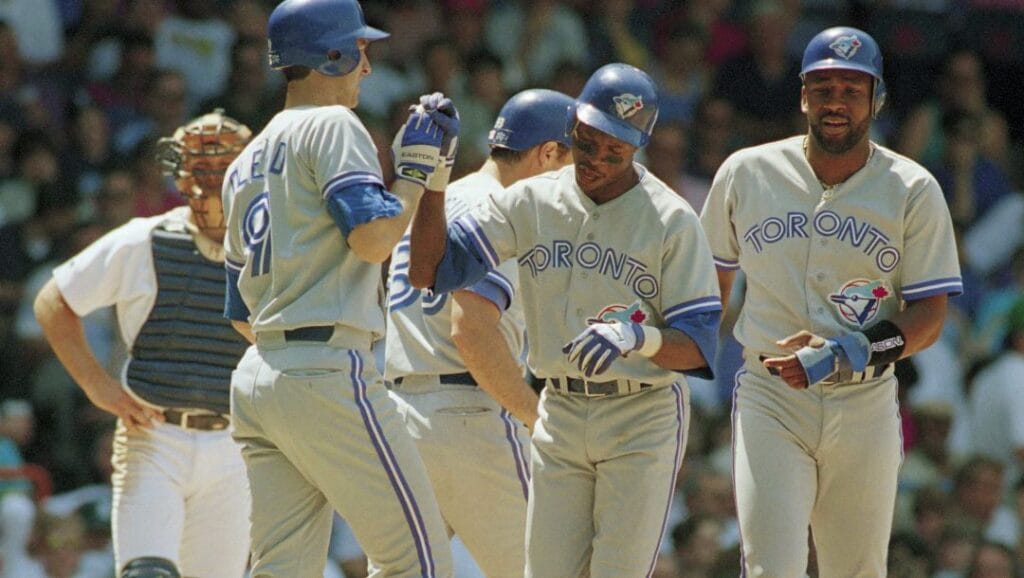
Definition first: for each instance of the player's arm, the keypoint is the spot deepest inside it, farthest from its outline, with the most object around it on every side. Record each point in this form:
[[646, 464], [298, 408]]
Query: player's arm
[[915, 328], [64, 331], [244, 329], [486, 355], [373, 241], [725, 281]]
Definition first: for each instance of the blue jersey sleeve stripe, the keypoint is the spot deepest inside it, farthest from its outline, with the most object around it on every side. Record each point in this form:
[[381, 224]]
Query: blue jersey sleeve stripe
[[702, 328], [234, 306], [914, 286], [351, 178], [728, 264], [492, 291], [229, 264], [950, 287], [704, 304], [472, 228], [502, 282]]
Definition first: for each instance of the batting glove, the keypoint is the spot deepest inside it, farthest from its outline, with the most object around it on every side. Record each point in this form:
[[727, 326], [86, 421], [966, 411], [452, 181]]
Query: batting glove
[[594, 350], [848, 351], [442, 111], [416, 148]]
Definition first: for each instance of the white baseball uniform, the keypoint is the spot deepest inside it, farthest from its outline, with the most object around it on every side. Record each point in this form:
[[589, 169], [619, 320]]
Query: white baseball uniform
[[179, 492], [318, 429], [476, 453], [603, 465], [830, 261]]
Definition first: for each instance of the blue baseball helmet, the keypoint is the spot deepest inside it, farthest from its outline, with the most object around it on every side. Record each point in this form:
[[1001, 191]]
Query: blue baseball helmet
[[320, 34], [619, 100], [530, 118], [849, 49]]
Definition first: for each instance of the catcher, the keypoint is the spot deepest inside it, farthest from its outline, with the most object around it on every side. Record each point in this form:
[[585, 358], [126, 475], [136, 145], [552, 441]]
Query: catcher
[[181, 499]]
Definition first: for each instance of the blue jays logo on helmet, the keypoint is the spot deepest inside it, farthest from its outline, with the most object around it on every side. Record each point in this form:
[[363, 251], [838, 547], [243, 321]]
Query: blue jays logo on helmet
[[628, 104], [846, 46], [858, 300]]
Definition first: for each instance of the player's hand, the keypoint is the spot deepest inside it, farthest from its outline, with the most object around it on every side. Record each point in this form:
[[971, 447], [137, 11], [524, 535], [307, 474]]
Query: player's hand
[[109, 396], [600, 344], [442, 111], [416, 148], [790, 368]]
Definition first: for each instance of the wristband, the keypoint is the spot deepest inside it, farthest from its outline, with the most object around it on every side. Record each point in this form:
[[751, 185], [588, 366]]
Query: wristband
[[885, 343], [652, 341]]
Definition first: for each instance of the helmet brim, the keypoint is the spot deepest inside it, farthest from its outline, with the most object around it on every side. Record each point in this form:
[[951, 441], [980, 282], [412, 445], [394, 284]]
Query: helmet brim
[[370, 33], [592, 116], [838, 64]]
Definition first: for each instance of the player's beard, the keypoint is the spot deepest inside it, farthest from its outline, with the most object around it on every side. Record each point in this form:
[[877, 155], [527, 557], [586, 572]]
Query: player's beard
[[844, 144]]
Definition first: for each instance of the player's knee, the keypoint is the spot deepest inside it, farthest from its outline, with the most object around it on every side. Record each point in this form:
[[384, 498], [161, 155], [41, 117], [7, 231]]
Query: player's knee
[[150, 567]]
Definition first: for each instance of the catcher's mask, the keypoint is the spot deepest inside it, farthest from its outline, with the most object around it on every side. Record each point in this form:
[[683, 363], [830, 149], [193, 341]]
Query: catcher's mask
[[198, 154]]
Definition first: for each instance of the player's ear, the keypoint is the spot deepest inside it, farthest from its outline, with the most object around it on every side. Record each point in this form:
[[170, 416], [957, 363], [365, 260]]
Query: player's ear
[[803, 99]]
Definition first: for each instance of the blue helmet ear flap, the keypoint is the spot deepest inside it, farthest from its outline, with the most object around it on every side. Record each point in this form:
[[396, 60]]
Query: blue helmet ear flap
[[878, 97]]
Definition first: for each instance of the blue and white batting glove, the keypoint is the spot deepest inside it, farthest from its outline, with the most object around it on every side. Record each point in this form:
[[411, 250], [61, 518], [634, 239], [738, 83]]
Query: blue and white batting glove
[[442, 111], [847, 351], [416, 148], [600, 344]]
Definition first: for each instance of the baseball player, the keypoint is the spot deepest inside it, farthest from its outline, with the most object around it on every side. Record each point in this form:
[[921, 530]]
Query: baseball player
[[619, 298], [475, 448], [180, 505], [849, 257], [309, 222]]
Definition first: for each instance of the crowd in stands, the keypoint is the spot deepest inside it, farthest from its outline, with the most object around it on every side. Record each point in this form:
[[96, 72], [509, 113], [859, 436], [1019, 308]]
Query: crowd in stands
[[87, 86]]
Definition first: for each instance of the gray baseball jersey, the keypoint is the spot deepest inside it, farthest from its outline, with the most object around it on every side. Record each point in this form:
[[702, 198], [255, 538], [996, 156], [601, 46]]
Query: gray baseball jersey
[[318, 429], [641, 257], [829, 261], [475, 451]]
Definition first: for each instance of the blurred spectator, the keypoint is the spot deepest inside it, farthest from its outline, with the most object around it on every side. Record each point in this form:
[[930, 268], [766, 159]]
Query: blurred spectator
[[441, 68], [990, 323], [196, 42], [115, 202], [618, 33], [972, 182], [726, 39], [930, 511], [997, 400], [713, 136], [90, 152], [39, 29], [993, 560], [56, 549], [37, 166], [17, 502], [464, 22], [666, 156], [909, 556], [478, 107], [682, 75], [991, 243], [956, 551], [961, 87], [761, 82], [248, 97], [569, 78], [929, 462], [154, 194], [534, 38], [163, 110], [978, 488], [696, 546], [121, 91], [249, 19]]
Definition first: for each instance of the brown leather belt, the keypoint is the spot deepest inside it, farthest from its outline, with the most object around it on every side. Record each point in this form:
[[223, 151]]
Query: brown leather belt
[[197, 421]]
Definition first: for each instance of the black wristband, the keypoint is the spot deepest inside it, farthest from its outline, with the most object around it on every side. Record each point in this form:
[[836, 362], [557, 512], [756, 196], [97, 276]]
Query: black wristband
[[886, 343]]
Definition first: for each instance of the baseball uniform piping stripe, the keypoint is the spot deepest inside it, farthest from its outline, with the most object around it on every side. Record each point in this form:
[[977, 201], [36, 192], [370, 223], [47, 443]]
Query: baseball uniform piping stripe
[[501, 281], [933, 287], [472, 228], [710, 303], [680, 448], [522, 469], [233, 265], [387, 458], [726, 264], [350, 178], [732, 419]]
